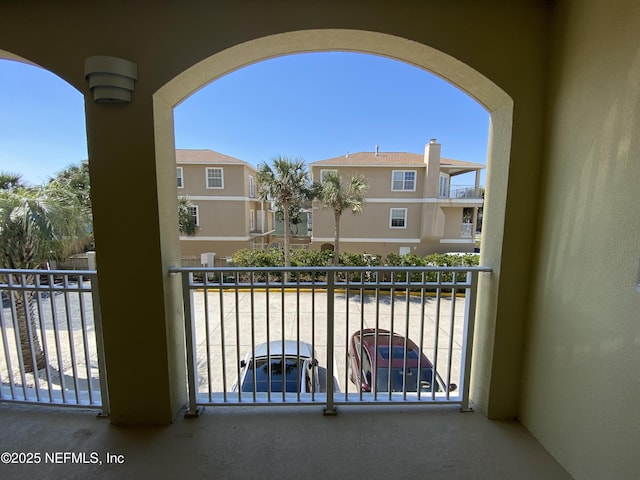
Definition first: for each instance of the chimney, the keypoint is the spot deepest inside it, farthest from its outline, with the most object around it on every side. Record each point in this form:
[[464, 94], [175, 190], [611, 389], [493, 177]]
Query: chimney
[[432, 160], [376, 150]]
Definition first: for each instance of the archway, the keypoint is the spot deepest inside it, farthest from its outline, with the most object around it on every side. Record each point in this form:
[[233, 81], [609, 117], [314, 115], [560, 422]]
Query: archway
[[494, 99]]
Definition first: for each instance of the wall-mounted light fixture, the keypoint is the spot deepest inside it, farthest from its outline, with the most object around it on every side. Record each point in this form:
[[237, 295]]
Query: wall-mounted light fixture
[[110, 79]]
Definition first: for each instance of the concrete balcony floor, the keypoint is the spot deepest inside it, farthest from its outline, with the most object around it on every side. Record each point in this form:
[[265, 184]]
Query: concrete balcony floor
[[280, 442]]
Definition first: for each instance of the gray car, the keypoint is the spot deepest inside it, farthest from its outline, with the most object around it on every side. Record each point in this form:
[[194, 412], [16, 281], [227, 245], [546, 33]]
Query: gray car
[[288, 366]]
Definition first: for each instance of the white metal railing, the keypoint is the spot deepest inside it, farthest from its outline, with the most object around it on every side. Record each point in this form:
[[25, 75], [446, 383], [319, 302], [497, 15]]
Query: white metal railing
[[267, 246], [233, 314], [51, 349], [471, 192], [466, 230]]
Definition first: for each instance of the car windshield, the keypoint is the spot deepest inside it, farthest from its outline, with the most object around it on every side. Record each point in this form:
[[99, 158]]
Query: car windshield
[[291, 375], [411, 379]]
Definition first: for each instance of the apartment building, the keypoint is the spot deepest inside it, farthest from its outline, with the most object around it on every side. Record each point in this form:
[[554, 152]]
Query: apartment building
[[226, 207], [411, 206]]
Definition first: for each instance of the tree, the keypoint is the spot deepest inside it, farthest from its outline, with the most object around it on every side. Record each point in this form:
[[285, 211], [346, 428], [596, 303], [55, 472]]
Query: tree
[[340, 197], [186, 219], [9, 180], [37, 224], [287, 183], [74, 181]]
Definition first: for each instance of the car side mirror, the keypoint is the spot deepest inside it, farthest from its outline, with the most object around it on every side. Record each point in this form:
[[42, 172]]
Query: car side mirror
[[314, 362], [243, 363]]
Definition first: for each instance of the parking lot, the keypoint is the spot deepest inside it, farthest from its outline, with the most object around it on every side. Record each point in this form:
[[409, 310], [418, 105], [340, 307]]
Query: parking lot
[[227, 324]]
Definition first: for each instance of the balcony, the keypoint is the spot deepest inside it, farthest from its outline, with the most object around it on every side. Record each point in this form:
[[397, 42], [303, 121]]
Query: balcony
[[230, 313], [227, 311], [465, 192], [51, 344]]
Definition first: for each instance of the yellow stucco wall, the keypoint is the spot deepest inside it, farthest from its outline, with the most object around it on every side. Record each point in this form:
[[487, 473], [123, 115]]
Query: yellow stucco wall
[[581, 387]]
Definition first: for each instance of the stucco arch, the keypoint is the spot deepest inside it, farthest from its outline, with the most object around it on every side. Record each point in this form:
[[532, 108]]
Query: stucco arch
[[492, 97]]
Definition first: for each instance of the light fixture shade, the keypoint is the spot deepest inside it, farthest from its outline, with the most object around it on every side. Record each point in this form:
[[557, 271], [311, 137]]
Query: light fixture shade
[[111, 79]]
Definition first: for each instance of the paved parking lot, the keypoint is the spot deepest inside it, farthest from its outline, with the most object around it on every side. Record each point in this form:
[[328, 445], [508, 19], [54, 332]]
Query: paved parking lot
[[230, 323]]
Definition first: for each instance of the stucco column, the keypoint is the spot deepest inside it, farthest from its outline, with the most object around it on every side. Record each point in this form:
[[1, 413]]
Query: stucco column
[[135, 223]]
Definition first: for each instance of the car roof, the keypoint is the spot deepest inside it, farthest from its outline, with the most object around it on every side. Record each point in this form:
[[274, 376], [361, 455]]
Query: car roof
[[368, 339], [290, 349]]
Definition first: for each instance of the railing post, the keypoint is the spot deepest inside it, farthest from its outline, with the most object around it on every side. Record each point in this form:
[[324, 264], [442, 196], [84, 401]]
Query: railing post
[[193, 410], [102, 369], [471, 296], [330, 408]]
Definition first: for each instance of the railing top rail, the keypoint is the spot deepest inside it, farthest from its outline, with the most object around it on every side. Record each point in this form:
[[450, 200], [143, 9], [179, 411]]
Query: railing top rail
[[35, 271], [334, 269]]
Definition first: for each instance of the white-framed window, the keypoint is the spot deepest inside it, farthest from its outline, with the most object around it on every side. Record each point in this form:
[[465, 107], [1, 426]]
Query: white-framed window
[[252, 186], [443, 189], [324, 173], [180, 177], [403, 180], [252, 220], [398, 218], [193, 211], [215, 177]]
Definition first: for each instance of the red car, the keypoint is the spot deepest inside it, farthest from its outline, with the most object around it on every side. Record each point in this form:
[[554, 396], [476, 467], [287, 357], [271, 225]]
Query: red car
[[387, 368]]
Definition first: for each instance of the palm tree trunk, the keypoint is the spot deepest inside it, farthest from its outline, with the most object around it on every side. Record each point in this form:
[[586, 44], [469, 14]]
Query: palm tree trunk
[[336, 246], [287, 234], [28, 332]]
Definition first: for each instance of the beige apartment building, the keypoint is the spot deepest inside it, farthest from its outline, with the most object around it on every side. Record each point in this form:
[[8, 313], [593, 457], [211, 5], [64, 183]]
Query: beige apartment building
[[410, 206], [226, 207]]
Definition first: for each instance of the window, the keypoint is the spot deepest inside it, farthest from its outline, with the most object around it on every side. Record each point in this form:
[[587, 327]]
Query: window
[[443, 190], [193, 211], [287, 371], [215, 178], [252, 220], [179, 175], [398, 218], [403, 180], [252, 187], [324, 173]]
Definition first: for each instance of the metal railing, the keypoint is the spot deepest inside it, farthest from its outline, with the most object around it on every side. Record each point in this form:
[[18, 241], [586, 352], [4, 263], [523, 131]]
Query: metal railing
[[51, 349], [241, 322], [471, 192], [278, 245], [466, 230]]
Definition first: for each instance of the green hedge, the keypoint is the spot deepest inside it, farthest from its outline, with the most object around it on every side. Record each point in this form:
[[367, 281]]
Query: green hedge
[[315, 258]]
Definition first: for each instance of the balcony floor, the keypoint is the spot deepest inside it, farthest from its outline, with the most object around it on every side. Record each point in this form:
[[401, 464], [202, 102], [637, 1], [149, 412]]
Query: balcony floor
[[281, 442]]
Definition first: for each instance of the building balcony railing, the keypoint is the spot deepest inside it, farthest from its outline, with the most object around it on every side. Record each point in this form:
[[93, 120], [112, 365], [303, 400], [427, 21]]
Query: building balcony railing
[[51, 339], [422, 320], [275, 336], [465, 192], [466, 230]]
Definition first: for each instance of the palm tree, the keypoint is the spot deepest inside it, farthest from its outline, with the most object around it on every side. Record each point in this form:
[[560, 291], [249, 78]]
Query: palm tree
[[37, 224], [339, 197], [186, 220], [286, 184], [9, 180]]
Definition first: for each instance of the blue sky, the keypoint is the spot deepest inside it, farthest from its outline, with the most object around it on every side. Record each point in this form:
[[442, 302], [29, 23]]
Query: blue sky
[[312, 106]]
